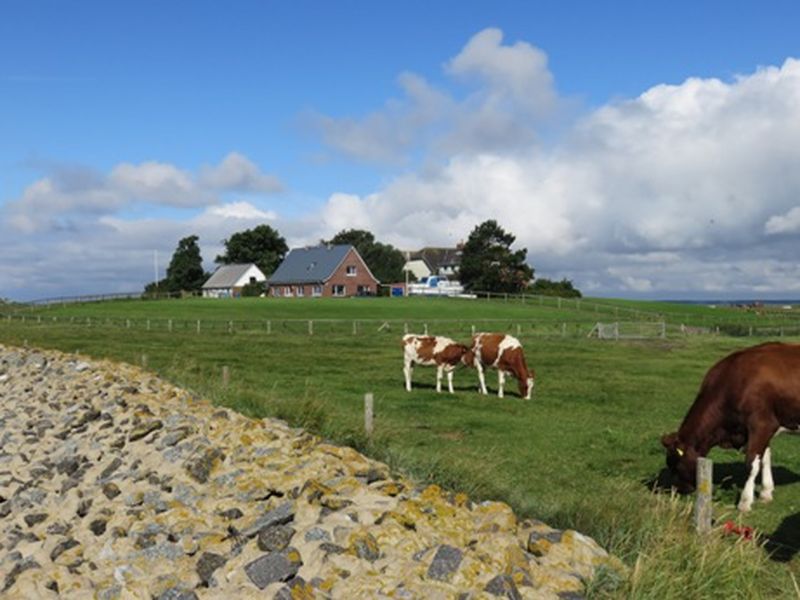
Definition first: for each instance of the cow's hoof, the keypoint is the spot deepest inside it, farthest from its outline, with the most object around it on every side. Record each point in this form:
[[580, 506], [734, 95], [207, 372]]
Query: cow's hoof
[[744, 507], [765, 497]]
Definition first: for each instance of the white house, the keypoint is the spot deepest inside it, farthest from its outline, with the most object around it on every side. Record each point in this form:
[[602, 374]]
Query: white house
[[228, 280]]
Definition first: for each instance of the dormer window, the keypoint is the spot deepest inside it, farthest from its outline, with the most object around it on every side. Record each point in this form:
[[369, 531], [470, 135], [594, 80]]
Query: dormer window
[[351, 270]]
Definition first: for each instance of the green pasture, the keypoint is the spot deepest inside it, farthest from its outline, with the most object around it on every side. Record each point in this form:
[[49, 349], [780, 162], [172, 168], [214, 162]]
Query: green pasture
[[584, 453]]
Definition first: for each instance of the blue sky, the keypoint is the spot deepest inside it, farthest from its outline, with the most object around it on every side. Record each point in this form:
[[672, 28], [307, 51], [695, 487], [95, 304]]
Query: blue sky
[[640, 149]]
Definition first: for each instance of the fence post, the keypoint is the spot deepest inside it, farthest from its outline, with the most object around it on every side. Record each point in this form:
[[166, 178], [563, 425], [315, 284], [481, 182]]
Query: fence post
[[198, 325], [519, 329], [226, 376], [144, 361], [426, 328], [148, 324], [269, 327], [563, 330], [310, 327], [405, 327], [230, 326], [355, 329], [473, 330], [616, 331], [663, 330], [368, 414], [169, 324], [703, 505], [751, 331]]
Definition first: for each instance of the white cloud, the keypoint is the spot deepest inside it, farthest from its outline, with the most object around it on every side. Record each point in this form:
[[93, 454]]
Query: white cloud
[[67, 197], [788, 223], [685, 176], [511, 91], [237, 172]]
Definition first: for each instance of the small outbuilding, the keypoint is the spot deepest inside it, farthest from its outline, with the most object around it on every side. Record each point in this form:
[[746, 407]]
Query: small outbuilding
[[228, 280], [323, 271]]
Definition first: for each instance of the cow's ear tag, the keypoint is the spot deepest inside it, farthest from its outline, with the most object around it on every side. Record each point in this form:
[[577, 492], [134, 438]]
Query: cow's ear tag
[[680, 451]]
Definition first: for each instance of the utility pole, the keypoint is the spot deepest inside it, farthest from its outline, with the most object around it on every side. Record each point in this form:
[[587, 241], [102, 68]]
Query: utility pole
[[155, 268]]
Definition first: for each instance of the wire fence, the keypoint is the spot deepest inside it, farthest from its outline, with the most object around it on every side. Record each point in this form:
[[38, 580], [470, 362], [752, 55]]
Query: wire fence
[[459, 328]]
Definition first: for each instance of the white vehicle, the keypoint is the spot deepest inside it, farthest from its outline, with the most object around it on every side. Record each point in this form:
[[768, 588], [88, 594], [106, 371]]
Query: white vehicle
[[435, 286]]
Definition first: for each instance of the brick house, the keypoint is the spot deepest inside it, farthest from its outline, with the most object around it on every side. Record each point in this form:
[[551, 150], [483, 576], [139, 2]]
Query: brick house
[[322, 271]]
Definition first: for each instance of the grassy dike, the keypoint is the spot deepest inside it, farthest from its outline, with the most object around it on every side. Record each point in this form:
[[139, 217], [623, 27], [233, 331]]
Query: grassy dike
[[581, 454]]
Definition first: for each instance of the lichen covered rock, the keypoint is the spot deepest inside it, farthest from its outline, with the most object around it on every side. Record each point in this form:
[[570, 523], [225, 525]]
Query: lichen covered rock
[[115, 484]]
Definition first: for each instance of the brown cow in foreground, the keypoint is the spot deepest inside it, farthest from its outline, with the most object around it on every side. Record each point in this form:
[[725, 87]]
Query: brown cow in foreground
[[504, 353], [438, 351], [745, 399]]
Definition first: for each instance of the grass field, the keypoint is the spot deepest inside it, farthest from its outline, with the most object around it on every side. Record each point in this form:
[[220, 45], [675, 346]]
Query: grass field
[[583, 453]]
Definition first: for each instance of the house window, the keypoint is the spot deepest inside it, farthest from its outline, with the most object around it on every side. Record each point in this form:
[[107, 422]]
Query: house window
[[339, 290], [252, 280], [287, 291], [316, 291], [277, 292], [301, 291], [351, 270]]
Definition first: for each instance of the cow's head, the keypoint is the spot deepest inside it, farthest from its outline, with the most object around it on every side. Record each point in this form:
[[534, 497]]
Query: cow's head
[[468, 356], [681, 462]]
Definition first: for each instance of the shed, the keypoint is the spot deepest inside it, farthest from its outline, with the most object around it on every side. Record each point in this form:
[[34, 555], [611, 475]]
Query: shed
[[228, 280]]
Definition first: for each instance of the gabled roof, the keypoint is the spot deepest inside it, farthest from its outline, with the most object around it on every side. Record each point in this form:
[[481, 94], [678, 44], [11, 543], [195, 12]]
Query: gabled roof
[[227, 275], [436, 258], [310, 265]]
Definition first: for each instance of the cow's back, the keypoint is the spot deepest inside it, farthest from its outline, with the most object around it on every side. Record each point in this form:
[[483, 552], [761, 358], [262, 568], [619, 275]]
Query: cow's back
[[762, 381]]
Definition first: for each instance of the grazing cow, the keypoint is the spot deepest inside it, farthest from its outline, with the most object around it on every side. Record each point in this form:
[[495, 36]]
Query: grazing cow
[[430, 350], [504, 353], [744, 400]]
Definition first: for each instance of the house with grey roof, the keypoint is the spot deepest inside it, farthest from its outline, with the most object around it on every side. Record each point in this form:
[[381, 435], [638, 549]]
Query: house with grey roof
[[323, 271], [228, 280]]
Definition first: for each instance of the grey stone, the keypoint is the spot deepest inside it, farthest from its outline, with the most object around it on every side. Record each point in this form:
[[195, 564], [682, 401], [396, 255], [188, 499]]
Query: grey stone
[[111, 490], [20, 567], [503, 586], [200, 467], [207, 564], [445, 562], [36, 518], [316, 534], [279, 516], [176, 593], [273, 567], [275, 538], [109, 470], [144, 429]]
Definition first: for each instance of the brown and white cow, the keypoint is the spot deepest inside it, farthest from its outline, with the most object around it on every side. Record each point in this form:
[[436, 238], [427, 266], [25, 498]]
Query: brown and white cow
[[504, 353], [430, 350], [745, 399]]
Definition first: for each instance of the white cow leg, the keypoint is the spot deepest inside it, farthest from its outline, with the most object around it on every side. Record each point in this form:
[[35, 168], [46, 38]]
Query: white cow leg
[[501, 382], [407, 370], [482, 379], [531, 383], [746, 501], [767, 483], [450, 381], [439, 373]]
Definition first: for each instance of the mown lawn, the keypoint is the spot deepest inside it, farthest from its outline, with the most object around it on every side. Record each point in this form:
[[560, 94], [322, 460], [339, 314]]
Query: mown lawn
[[582, 454]]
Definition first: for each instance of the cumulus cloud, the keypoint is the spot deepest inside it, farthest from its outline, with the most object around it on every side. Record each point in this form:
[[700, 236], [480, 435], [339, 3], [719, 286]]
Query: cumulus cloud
[[680, 189], [510, 90], [237, 172], [68, 196]]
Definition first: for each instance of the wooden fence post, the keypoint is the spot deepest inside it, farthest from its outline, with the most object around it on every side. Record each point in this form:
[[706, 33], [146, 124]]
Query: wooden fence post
[[355, 328], [311, 328], [426, 328], [703, 506], [198, 325], [368, 414], [144, 361], [226, 376], [473, 330]]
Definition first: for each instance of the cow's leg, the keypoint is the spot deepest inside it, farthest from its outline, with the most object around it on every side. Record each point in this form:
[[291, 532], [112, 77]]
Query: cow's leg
[[481, 377], [756, 445], [501, 382], [767, 483], [439, 374], [408, 369], [450, 380]]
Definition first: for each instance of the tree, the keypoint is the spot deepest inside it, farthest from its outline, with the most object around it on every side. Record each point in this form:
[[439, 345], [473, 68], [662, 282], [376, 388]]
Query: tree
[[262, 245], [185, 270], [489, 265], [384, 260], [563, 288]]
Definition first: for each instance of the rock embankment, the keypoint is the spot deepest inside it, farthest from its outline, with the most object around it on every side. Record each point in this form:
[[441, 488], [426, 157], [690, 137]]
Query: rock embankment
[[115, 484]]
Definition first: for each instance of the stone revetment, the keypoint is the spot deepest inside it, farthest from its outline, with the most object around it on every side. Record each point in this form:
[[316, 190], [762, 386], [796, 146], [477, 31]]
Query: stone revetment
[[116, 484]]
